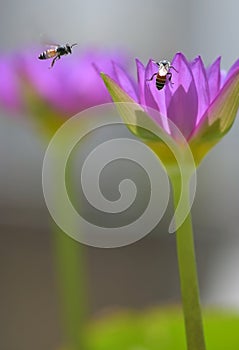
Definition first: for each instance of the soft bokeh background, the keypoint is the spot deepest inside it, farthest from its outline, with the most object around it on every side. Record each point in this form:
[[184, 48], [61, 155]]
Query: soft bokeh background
[[145, 273]]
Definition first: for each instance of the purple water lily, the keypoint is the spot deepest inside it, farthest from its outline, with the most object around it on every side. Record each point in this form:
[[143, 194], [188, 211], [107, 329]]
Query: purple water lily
[[71, 86], [201, 101]]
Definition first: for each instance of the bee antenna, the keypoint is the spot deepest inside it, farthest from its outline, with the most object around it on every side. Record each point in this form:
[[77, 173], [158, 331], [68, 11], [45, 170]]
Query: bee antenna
[[155, 62], [74, 44], [174, 68]]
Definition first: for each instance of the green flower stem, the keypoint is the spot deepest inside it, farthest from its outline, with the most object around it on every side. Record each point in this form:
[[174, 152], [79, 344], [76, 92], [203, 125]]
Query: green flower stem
[[188, 273], [70, 272], [70, 266]]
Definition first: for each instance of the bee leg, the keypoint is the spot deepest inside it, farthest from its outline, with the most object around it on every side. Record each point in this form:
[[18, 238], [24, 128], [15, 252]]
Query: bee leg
[[54, 60], [169, 75], [151, 77]]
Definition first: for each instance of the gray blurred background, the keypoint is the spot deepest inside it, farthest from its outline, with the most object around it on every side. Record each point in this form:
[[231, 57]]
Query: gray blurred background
[[145, 273]]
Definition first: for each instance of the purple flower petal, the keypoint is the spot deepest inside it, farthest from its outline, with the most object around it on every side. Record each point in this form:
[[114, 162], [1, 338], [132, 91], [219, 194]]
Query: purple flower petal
[[160, 99], [201, 84], [124, 81], [159, 96], [223, 75], [214, 78], [181, 99], [223, 108], [141, 80], [222, 101], [232, 69], [149, 93], [9, 86], [149, 88]]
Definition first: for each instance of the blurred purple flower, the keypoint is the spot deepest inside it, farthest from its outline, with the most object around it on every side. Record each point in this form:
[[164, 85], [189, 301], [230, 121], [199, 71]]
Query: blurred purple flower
[[9, 85], [201, 102], [71, 86]]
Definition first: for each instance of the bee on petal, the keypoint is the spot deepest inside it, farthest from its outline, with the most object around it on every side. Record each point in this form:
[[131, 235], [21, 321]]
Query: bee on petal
[[163, 74], [56, 52]]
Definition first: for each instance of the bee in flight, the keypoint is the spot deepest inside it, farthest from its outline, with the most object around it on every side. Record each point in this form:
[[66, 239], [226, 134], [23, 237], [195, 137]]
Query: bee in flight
[[162, 74], [56, 52]]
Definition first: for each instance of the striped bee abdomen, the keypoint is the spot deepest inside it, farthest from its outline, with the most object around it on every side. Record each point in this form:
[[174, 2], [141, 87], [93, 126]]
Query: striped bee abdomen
[[42, 56], [160, 81], [47, 54]]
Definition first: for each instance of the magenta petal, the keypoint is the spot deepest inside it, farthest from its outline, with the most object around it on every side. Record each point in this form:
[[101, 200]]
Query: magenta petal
[[214, 78], [224, 77], [232, 69], [141, 80], [149, 88], [9, 86], [149, 95], [222, 109], [124, 81], [201, 84], [181, 99], [159, 96]]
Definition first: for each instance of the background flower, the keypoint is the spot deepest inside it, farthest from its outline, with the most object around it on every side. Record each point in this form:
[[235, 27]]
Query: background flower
[[71, 86]]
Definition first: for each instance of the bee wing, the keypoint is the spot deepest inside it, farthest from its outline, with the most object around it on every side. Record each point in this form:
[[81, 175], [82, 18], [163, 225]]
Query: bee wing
[[48, 42], [52, 47]]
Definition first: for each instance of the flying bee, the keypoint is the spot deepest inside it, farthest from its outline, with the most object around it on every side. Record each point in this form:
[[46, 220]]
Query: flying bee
[[162, 74], [56, 52]]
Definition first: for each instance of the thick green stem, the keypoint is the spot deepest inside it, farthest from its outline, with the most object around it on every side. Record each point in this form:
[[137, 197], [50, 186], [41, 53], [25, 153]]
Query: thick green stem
[[70, 266], [71, 281], [188, 274]]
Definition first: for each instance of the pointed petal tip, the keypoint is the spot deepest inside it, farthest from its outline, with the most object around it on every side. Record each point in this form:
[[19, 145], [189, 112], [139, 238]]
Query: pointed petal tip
[[233, 74], [179, 55], [198, 58], [233, 69], [105, 77], [95, 66], [216, 62], [137, 60], [148, 63]]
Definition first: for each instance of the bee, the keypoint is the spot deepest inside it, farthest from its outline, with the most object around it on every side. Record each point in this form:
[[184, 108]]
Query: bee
[[162, 74], [56, 52]]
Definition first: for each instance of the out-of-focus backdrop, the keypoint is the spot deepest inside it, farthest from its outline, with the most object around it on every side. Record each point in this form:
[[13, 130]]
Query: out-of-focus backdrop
[[145, 273]]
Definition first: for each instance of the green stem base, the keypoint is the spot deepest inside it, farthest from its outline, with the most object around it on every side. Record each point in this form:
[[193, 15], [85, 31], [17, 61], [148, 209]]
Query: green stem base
[[71, 281]]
